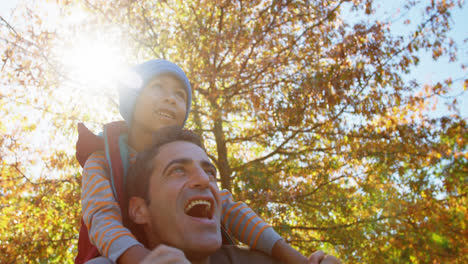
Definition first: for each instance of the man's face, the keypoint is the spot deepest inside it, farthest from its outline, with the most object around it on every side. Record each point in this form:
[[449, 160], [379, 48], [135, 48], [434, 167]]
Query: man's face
[[162, 103], [185, 205]]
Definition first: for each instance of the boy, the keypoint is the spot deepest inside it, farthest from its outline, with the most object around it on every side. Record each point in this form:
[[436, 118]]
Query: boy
[[162, 99]]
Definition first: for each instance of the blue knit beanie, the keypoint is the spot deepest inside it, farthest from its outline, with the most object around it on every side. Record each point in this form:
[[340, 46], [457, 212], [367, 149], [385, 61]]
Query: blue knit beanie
[[128, 93]]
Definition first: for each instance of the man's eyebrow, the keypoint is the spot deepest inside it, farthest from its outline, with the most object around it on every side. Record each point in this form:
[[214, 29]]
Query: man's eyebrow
[[208, 164], [188, 161], [181, 161]]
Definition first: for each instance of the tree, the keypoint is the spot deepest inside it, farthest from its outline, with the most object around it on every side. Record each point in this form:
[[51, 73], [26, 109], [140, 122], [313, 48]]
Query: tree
[[309, 118]]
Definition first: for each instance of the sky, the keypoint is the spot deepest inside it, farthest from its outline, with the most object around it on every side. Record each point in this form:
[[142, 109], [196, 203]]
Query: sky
[[427, 72]]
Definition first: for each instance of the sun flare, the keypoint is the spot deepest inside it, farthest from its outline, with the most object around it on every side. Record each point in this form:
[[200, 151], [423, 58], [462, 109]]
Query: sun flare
[[94, 62]]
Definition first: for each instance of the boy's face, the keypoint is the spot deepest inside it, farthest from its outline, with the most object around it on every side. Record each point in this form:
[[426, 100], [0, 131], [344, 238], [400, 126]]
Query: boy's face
[[162, 103]]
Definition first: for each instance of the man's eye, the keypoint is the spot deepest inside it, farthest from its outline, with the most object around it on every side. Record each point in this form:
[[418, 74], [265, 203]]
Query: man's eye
[[178, 171], [211, 172]]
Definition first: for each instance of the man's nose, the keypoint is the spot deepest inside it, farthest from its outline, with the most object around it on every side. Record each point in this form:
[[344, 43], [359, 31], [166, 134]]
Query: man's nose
[[199, 178]]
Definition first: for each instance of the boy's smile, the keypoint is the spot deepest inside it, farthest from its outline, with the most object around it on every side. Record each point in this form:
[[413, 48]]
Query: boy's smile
[[165, 113]]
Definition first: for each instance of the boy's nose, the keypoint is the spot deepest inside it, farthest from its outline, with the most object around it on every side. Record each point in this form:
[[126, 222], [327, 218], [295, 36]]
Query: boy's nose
[[169, 98]]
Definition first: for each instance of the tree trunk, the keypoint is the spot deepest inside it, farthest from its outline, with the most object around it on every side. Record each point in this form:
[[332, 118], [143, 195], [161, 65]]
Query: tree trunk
[[223, 164]]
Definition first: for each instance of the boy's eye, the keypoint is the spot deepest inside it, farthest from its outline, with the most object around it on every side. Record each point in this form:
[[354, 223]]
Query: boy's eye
[[156, 86], [181, 94]]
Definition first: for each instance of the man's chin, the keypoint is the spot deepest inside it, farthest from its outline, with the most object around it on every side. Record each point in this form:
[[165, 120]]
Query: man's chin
[[203, 249]]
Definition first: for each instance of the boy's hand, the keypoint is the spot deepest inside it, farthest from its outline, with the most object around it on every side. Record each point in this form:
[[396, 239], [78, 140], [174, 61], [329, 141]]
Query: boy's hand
[[318, 257], [285, 253], [164, 255], [329, 259]]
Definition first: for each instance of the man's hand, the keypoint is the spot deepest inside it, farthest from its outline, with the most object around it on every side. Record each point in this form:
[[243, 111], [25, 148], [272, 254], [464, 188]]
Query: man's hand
[[318, 257], [164, 254]]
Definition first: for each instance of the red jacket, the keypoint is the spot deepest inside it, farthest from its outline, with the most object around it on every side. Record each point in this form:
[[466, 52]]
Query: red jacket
[[87, 144]]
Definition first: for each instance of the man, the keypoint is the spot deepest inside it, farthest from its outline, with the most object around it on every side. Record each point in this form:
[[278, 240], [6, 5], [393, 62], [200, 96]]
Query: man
[[174, 204]]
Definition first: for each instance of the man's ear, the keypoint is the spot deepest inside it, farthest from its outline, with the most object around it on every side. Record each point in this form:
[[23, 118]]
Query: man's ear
[[138, 210]]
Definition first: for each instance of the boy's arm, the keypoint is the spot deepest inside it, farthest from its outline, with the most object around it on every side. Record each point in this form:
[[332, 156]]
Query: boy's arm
[[101, 212], [284, 252], [250, 229], [134, 254]]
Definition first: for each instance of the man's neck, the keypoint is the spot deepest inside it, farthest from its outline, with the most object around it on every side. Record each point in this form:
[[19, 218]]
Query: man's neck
[[205, 261], [198, 259], [139, 138]]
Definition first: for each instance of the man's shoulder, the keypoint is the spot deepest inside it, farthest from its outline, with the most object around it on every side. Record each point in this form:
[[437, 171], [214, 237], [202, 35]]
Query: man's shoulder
[[236, 254]]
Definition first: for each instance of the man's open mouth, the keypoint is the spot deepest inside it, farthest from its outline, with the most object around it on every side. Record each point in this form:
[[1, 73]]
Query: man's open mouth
[[200, 208]]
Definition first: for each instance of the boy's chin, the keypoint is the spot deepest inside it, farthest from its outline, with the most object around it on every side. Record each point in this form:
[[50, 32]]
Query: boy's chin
[[173, 124]]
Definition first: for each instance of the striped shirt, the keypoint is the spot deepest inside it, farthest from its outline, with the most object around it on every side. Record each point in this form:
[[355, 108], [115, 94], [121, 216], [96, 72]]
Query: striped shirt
[[103, 218]]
